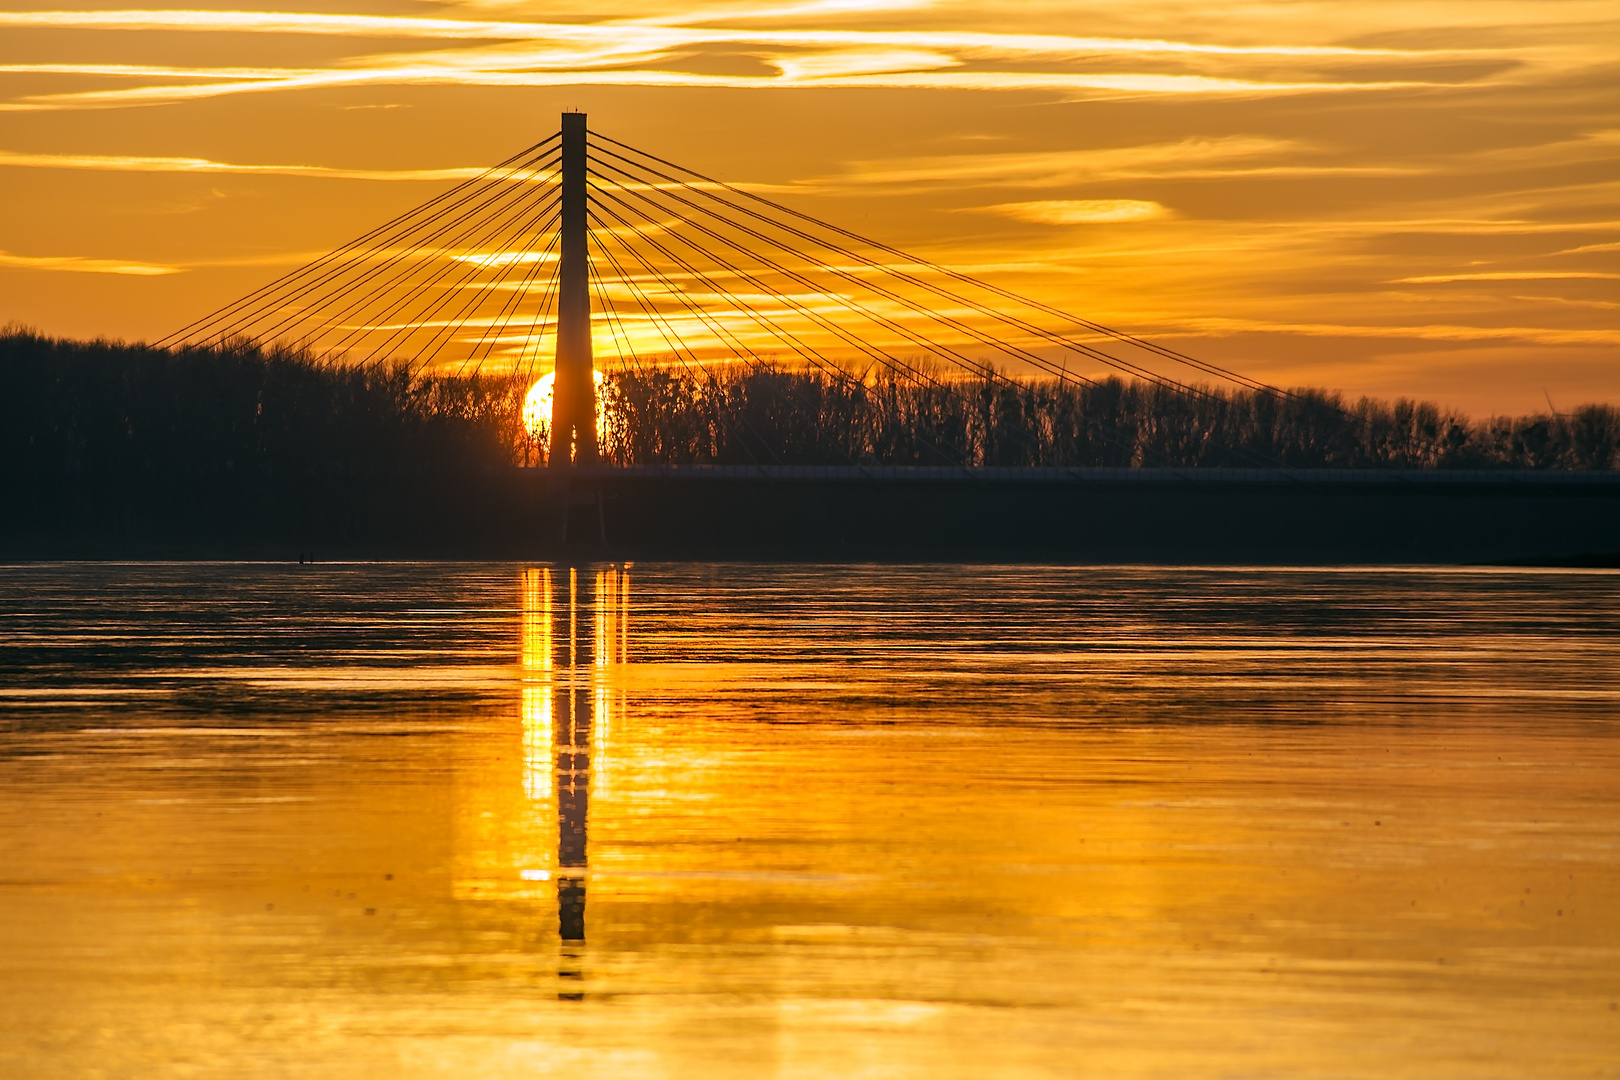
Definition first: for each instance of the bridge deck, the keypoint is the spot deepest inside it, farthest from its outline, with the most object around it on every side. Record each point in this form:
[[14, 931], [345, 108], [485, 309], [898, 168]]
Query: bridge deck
[[1129, 476]]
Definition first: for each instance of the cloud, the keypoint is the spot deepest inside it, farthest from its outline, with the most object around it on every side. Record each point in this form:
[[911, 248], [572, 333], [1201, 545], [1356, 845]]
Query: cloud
[[688, 13], [1254, 157], [1601, 145], [505, 258], [651, 52], [1080, 211], [1613, 245], [81, 265], [416, 73], [275, 22], [673, 31], [1192, 158], [1455, 226], [800, 66], [1602, 305], [158, 71], [1432, 332], [1508, 275], [123, 163]]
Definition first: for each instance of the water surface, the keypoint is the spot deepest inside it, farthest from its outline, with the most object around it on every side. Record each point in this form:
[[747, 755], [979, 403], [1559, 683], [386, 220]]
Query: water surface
[[399, 820]]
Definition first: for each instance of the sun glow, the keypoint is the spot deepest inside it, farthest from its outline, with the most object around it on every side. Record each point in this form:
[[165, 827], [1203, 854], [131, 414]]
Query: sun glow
[[537, 409]]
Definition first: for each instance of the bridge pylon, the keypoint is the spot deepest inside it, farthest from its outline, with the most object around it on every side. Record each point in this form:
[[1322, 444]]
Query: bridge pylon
[[573, 402]]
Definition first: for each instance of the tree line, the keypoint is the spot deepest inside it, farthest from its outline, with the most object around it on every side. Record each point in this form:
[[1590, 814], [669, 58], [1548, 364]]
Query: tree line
[[101, 408], [106, 409]]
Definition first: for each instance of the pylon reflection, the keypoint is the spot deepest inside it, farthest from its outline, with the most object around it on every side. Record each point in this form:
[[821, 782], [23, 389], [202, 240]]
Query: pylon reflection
[[574, 631]]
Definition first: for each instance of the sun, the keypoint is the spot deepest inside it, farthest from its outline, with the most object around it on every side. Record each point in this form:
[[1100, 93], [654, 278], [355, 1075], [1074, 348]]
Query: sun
[[537, 408]]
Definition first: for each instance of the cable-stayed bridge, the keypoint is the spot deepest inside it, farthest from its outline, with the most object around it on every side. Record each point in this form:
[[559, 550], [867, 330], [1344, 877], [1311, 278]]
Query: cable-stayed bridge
[[582, 254], [582, 264]]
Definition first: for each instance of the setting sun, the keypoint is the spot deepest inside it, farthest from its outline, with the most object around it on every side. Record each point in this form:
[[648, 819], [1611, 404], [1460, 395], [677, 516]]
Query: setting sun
[[537, 408]]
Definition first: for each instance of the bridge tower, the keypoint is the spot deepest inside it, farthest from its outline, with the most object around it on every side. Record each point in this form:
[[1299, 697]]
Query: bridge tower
[[573, 401]]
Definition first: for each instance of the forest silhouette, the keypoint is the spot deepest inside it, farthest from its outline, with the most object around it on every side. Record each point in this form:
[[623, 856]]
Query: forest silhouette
[[113, 450], [106, 410]]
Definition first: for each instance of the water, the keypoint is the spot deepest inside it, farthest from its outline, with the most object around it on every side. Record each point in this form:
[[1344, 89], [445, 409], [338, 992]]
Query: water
[[735, 820]]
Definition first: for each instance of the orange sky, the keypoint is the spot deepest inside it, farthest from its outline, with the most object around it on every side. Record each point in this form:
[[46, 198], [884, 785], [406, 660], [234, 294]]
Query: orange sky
[[1392, 198]]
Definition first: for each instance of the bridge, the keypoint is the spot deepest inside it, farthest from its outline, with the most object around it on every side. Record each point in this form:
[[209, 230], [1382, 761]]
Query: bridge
[[686, 272], [614, 263]]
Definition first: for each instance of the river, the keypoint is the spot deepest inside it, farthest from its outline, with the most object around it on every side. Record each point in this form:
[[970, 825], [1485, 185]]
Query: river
[[716, 820]]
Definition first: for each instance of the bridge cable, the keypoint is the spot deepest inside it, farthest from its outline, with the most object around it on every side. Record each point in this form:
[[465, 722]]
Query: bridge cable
[[786, 336], [537, 325], [1041, 363], [714, 381], [485, 212], [402, 226], [1006, 294], [671, 285], [543, 211], [502, 217], [881, 356], [982, 370], [737, 347], [510, 308], [671, 338]]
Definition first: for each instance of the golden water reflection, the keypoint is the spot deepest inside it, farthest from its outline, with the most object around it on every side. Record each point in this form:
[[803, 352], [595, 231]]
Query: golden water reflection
[[751, 821], [573, 639]]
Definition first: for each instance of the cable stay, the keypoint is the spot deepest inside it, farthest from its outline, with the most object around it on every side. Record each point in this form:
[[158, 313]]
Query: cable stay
[[767, 315]]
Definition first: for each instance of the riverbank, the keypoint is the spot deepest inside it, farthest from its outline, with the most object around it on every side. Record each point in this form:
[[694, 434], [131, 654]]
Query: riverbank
[[1166, 516]]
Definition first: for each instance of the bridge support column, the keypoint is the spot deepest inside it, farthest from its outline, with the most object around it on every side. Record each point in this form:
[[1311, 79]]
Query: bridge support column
[[573, 403]]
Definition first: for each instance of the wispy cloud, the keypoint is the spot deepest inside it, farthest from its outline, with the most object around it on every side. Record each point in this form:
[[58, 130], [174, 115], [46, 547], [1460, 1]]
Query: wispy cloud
[[669, 32], [1564, 301], [505, 258], [650, 52], [81, 265], [277, 22], [126, 163], [1453, 226], [1433, 332], [1080, 211], [850, 62], [418, 74], [1193, 158], [1505, 275], [745, 10], [1613, 245]]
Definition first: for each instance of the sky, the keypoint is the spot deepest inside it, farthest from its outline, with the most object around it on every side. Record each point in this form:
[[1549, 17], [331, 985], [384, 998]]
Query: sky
[[1386, 197]]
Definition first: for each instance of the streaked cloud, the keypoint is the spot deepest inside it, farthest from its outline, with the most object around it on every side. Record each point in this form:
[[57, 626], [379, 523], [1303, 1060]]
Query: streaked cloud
[[505, 258], [1191, 158], [651, 51], [1452, 226], [1564, 301], [1081, 211], [849, 62], [1543, 335], [666, 33], [126, 163], [80, 264], [1506, 275], [422, 74]]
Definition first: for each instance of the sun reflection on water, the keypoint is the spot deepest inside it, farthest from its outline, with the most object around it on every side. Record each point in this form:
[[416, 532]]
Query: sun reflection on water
[[574, 634]]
